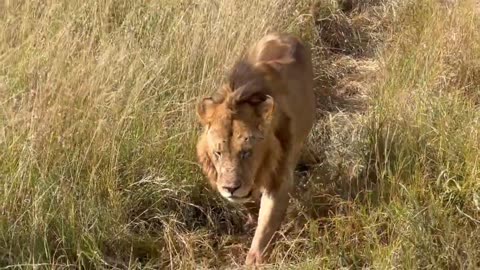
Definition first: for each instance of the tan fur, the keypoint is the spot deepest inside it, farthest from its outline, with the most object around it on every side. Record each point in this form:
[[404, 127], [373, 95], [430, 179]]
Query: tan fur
[[254, 129]]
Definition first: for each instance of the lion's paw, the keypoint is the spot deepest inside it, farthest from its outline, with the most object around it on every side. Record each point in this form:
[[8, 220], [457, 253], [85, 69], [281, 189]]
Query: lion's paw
[[254, 258]]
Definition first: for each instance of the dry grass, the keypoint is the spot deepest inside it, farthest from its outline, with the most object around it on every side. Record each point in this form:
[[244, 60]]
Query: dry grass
[[97, 133]]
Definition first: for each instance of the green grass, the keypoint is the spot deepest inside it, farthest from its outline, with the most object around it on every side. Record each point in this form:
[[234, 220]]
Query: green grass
[[97, 134]]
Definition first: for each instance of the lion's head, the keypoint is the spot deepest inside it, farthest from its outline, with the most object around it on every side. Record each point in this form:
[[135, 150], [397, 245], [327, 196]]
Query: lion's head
[[236, 135]]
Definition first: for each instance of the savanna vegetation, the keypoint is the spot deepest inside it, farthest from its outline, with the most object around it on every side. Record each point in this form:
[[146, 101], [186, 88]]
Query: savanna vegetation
[[98, 128]]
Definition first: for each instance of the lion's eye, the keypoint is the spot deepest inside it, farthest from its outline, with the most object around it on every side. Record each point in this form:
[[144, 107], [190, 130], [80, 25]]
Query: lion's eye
[[217, 154], [245, 154]]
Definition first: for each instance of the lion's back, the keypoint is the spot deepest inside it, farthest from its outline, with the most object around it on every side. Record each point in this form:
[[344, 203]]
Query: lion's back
[[299, 99]]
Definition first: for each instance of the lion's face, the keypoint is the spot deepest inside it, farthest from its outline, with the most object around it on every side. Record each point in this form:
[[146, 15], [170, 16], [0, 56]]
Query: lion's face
[[234, 145], [235, 150]]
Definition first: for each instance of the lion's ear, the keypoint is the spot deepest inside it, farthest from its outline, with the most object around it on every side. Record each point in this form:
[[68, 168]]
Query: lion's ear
[[266, 109], [205, 110]]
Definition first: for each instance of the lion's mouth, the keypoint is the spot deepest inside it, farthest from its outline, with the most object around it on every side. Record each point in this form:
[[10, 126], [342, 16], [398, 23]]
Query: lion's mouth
[[244, 197], [241, 199]]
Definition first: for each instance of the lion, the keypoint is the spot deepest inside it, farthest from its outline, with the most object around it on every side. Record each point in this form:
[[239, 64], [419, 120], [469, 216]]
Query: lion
[[254, 128]]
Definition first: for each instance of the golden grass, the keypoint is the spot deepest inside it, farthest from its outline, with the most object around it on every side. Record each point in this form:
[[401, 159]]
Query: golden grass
[[97, 133]]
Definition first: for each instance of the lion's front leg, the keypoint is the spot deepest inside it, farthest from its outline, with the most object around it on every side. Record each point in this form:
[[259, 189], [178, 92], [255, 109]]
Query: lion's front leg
[[273, 206]]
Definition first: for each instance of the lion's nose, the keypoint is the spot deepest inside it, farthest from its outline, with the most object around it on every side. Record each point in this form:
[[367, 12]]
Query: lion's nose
[[231, 189]]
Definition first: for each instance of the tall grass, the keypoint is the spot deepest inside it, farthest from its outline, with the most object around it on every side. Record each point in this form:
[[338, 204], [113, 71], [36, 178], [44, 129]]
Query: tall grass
[[410, 197], [97, 125], [424, 134], [97, 131]]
